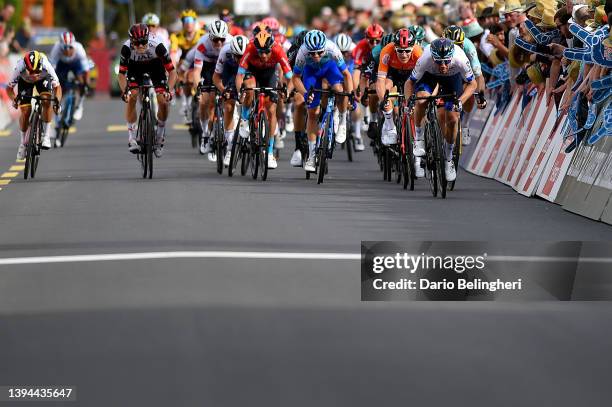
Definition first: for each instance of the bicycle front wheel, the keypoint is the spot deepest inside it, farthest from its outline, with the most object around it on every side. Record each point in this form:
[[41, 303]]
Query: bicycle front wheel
[[218, 134], [322, 157], [440, 158], [264, 138]]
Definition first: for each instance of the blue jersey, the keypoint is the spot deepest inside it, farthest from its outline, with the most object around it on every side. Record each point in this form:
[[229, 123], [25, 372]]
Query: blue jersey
[[331, 53]]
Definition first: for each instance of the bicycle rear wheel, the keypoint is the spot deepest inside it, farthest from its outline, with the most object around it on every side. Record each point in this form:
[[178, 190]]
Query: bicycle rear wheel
[[456, 155], [440, 158], [235, 153], [430, 163], [322, 157], [408, 157], [218, 134]]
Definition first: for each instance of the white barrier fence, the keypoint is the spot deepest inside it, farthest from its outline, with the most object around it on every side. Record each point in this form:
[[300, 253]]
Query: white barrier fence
[[524, 148]]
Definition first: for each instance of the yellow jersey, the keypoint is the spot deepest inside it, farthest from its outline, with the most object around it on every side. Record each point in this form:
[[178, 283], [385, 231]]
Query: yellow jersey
[[179, 40]]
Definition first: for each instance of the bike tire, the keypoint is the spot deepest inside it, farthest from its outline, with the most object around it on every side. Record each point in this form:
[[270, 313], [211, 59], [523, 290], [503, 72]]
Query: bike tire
[[264, 137], [218, 126], [456, 155], [234, 153], [244, 154], [441, 159], [430, 163], [322, 158], [408, 156], [29, 154], [350, 142]]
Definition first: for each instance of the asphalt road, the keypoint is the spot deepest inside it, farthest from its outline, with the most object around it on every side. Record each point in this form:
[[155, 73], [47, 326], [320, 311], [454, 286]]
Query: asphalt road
[[235, 331]]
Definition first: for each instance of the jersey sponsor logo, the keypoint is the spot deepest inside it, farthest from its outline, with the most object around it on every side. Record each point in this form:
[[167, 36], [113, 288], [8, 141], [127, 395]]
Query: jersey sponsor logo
[[386, 58]]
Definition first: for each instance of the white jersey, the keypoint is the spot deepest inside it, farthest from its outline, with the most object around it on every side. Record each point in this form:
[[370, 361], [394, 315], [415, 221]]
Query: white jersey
[[224, 55], [20, 72], [162, 33], [206, 51], [460, 64], [332, 52], [189, 60], [79, 54]]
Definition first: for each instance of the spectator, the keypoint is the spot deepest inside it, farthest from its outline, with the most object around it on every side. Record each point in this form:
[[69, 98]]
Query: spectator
[[22, 38]]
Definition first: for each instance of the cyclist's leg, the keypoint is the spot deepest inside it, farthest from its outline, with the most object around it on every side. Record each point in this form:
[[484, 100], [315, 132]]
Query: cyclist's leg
[[299, 128], [423, 88], [389, 132], [335, 79], [188, 87], [45, 88], [310, 80], [134, 77], [24, 89]]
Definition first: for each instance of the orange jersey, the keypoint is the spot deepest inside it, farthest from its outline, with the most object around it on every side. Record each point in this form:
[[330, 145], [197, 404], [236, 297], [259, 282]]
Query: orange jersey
[[390, 60]]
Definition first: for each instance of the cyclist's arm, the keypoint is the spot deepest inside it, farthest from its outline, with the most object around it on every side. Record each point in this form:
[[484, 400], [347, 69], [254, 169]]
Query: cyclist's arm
[[468, 91], [123, 67], [82, 56], [298, 84], [383, 68], [348, 80], [409, 88], [218, 82], [54, 54], [58, 92], [198, 61], [55, 83], [162, 53]]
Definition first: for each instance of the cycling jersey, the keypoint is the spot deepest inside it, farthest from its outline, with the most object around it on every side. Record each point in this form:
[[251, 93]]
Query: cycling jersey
[[389, 61], [179, 41], [459, 65], [163, 34], [283, 41], [154, 61], [20, 72], [361, 51], [79, 55], [251, 61], [295, 47], [189, 60], [470, 51], [227, 65], [332, 53], [206, 51]]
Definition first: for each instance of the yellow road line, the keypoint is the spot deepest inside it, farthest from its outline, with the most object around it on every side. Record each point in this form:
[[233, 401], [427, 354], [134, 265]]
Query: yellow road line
[[9, 175], [17, 168], [180, 127], [20, 161], [5, 181], [5, 133], [72, 130], [116, 127]]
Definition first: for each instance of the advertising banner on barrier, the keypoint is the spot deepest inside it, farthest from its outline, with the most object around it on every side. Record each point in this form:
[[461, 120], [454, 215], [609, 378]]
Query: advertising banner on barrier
[[525, 122], [491, 127], [528, 136], [500, 143], [557, 165], [531, 167]]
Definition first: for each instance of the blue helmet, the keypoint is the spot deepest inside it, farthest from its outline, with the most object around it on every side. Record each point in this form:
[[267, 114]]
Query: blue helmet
[[315, 40], [442, 49]]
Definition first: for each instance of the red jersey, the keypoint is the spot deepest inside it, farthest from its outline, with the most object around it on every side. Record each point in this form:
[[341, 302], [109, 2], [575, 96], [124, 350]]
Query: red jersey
[[361, 52], [251, 59], [235, 30]]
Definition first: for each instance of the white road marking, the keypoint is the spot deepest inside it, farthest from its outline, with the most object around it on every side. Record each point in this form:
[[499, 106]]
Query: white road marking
[[179, 255]]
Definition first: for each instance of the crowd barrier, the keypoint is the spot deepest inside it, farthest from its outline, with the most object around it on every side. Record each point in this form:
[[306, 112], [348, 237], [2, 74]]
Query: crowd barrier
[[7, 113], [523, 145]]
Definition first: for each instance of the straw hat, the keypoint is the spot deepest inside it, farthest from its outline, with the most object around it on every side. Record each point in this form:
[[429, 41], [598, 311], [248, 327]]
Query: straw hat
[[494, 59], [573, 70], [548, 19], [511, 6], [598, 20], [498, 6], [535, 74], [472, 29], [518, 56], [480, 8]]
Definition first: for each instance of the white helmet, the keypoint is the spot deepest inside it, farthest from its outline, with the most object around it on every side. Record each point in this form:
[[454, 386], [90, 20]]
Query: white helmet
[[239, 44], [343, 42], [150, 19], [218, 29]]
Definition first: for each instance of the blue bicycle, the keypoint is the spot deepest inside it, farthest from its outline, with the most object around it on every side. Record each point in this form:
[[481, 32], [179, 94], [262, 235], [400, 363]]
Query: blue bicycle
[[326, 133], [67, 119]]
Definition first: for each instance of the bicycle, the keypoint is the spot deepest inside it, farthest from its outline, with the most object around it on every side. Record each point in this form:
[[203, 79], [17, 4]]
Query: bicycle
[[399, 157], [218, 143], [240, 152], [259, 125], [195, 127], [435, 156], [67, 119], [325, 136], [34, 139], [146, 128]]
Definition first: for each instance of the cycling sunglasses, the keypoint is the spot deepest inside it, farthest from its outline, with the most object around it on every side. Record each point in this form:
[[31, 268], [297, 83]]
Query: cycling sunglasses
[[443, 61], [67, 47], [403, 50], [140, 42], [374, 40], [315, 53], [264, 51], [218, 39], [187, 20]]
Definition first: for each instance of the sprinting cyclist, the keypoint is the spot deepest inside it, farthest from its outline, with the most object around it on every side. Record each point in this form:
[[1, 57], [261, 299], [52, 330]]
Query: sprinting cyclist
[[345, 45], [258, 69], [299, 108], [145, 53], [224, 79], [34, 71], [320, 59], [206, 54], [445, 64]]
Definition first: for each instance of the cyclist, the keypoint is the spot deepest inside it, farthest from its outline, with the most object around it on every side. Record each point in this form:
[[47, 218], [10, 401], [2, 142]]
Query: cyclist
[[143, 53], [373, 36], [456, 34], [224, 79], [299, 109], [181, 42], [152, 21], [397, 60], [419, 35], [228, 17], [445, 64], [34, 71], [68, 55], [206, 54], [258, 68], [320, 59], [345, 45]]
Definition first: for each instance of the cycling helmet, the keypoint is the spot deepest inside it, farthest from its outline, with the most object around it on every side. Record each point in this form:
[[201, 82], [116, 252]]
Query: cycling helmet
[[315, 40], [455, 34], [33, 61], [442, 49], [263, 41], [386, 39], [67, 39], [272, 23], [239, 44], [418, 32], [404, 39], [139, 33], [150, 19], [259, 26], [218, 29], [188, 13], [343, 42], [374, 31]]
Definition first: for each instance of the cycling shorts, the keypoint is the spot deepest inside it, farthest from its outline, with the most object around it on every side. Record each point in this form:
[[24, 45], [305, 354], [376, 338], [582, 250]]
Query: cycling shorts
[[154, 68], [25, 89], [313, 78], [448, 84]]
